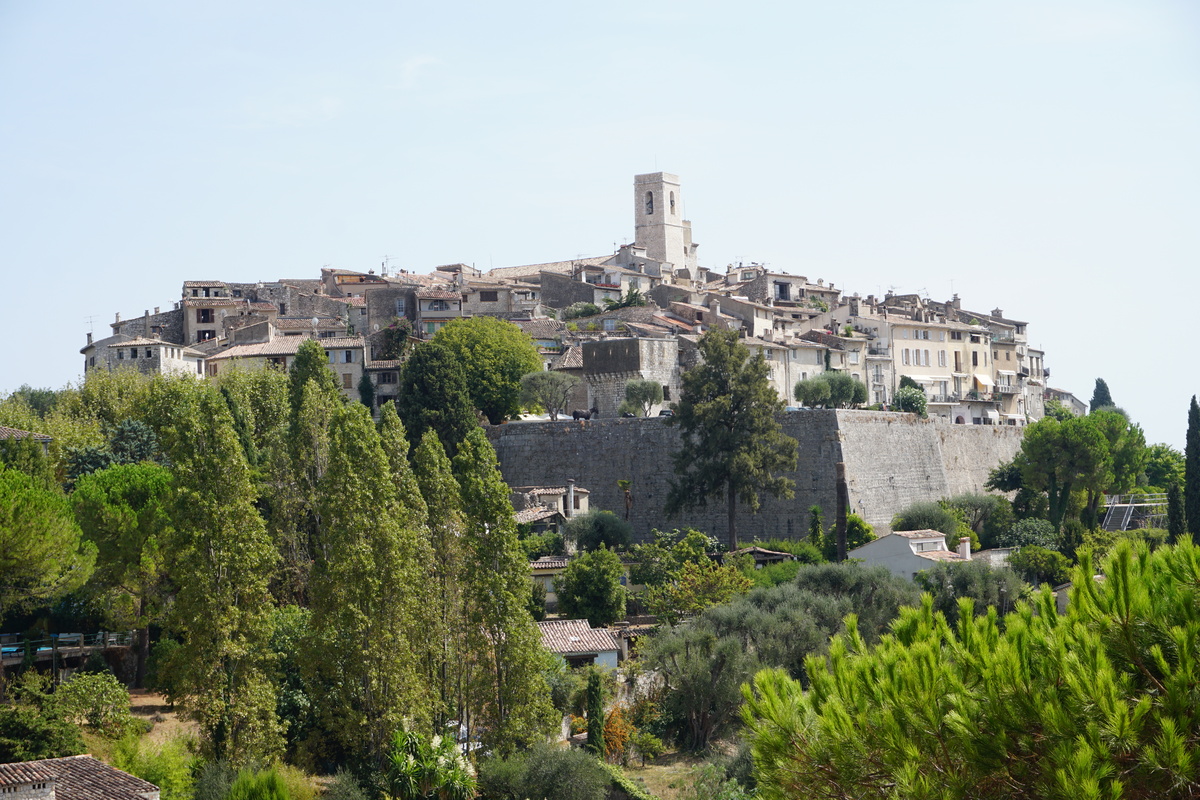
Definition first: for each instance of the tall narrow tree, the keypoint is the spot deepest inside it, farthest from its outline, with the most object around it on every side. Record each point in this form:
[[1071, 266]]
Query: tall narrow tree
[[1191, 470], [222, 560], [446, 665], [433, 396], [732, 444], [1101, 398], [361, 662], [509, 693]]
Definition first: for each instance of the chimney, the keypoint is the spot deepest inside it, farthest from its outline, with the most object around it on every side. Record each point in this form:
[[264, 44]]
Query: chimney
[[714, 308], [997, 312], [570, 497], [156, 311], [118, 316], [89, 337], [964, 547], [146, 323]]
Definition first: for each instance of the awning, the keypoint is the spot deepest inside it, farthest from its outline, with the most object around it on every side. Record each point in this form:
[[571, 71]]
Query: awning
[[1005, 372], [984, 380], [991, 414], [959, 374]]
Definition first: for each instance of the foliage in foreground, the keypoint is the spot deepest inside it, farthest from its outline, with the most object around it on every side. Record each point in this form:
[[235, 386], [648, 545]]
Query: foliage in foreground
[[1095, 703]]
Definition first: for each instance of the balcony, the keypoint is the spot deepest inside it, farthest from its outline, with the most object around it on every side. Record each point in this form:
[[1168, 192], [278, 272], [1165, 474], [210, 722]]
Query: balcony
[[944, 398], [879, 351], [1006, 389]]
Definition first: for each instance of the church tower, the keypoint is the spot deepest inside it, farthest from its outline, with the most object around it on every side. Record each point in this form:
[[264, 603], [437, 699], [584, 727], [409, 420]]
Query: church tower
[[659, 225]]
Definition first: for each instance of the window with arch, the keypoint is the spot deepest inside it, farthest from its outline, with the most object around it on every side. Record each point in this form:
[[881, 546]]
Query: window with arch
[[439, 305], [672, 204], [649, 202]]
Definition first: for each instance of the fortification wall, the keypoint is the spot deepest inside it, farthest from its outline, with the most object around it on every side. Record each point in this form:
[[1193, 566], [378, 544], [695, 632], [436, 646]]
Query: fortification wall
[[891, 460]]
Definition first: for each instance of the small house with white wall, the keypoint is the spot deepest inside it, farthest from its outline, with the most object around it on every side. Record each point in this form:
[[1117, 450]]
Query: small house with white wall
[[579, 643], [71, 778], [905, 553]]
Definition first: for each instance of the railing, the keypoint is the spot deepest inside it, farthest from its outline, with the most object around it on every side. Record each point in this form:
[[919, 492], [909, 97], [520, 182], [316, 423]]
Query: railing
[[944, 398], [15, 649], [878, 351], [1007, 389]]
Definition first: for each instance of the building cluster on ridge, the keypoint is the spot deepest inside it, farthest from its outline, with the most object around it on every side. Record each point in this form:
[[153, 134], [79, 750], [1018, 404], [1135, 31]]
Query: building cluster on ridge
[[975, 367]]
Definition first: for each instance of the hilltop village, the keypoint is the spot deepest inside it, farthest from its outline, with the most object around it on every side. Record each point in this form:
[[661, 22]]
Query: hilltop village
[[634, 314]]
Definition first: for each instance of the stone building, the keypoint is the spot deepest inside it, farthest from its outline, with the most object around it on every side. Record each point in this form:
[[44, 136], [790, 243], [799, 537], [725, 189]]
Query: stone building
[[71, 778]]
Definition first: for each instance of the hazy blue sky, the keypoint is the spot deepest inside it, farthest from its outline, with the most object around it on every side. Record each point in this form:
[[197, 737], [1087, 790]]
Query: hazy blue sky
[[1041, 157]]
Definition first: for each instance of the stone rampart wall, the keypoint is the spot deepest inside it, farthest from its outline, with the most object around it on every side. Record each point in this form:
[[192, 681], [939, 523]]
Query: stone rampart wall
[[891, 460]]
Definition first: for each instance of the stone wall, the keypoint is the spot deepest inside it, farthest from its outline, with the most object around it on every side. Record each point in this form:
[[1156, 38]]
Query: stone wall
[[891, 460]]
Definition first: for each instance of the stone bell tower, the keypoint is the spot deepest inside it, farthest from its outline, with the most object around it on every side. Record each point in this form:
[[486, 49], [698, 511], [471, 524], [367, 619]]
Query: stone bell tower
[[659, 225]]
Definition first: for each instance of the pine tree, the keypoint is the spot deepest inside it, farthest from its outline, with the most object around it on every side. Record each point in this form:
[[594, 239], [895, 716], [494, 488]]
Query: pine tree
[[363, 672], [433, 396], [1101, 398], [509, 690], [222, 560], [1191, 470], [732, 444]]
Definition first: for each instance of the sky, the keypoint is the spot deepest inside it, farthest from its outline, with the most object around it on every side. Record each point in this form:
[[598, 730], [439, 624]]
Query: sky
[[1037, 156]]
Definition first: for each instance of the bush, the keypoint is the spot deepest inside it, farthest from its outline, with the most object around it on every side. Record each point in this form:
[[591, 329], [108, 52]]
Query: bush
[[97, 700], [647, 745], [577, 310], [926, 515], [344, 787], [1037, 532], [598, 528], [948, 582], [537, 600], [912, 401], [1039, 565], [590, 588], [214, 780], [169, 766], [265, 785], [545, 773], [159, 671]]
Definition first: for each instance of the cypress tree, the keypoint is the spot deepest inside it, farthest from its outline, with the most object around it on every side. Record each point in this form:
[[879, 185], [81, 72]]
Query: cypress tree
[[595, 714], [509, 691], [445, 666], [361, 666], [222, 562], [1101, 398], [1191, 470], [1176, 520], [433, 396]]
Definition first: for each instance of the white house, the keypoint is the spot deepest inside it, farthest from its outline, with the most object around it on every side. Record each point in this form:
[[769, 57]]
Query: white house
[[579, 643], [905, 553]]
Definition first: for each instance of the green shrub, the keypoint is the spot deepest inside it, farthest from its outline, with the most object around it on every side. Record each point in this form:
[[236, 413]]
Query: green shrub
[[159, 671], [214, 780], [344, 787], [1040, 565], [553, 774], [169, 766], [96, 700], [265, 785]]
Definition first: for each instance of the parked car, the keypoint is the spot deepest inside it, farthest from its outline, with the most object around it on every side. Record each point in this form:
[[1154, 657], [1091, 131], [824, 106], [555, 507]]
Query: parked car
[[666, 412]]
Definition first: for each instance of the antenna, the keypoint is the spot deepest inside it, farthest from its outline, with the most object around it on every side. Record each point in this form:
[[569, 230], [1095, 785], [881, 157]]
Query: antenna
[[91, 323], [384, 266]]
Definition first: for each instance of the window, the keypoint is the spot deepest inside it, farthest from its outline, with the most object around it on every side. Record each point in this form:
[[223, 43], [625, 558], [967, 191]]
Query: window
[[941, 358], [387, 377], [747, 276], [195, 292], [431, 328], [346, 380], [133, 352], [439, 305], [348, 357], [956, 335], [489, 297], [610, 324], [927, 358], [649, 202], [1008, 355], [905, 332], [853, 356], [974, 358], [237, 292], [147, 353], [672, 204], [906, 356], [666, 392], [204, 315], [283, 309], [204, 336], [401, 307]]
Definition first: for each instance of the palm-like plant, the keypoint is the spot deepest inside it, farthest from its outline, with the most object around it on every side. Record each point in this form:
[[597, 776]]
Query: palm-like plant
[[423, 768]]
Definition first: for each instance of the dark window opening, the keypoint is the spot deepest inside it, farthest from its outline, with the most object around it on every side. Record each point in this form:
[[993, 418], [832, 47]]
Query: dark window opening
[[649, 202], [666, 392]]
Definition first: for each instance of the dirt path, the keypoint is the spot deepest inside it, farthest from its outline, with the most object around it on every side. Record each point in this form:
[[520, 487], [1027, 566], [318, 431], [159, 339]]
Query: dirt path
[[167, 722]]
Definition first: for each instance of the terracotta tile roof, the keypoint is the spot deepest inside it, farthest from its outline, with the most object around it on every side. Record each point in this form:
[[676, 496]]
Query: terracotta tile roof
[[536, 514], [85, 778], [284, 346], [302, 324], [560, 267], [572, 636], [355, 302], [25, 772], [940, 555], [921, 534], [203, 284], [17, 433], [438, 294], [571, 359], [541, 328], [392, 363], [263, 306], [214, 302], [549, 562]]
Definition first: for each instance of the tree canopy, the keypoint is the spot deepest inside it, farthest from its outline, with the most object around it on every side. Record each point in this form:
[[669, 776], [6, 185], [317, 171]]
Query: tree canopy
[[831, 389], [641, 396], [548, 389], [1093, 703], [494, 354], [433, 396], [1101, 398], [732, 445]]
